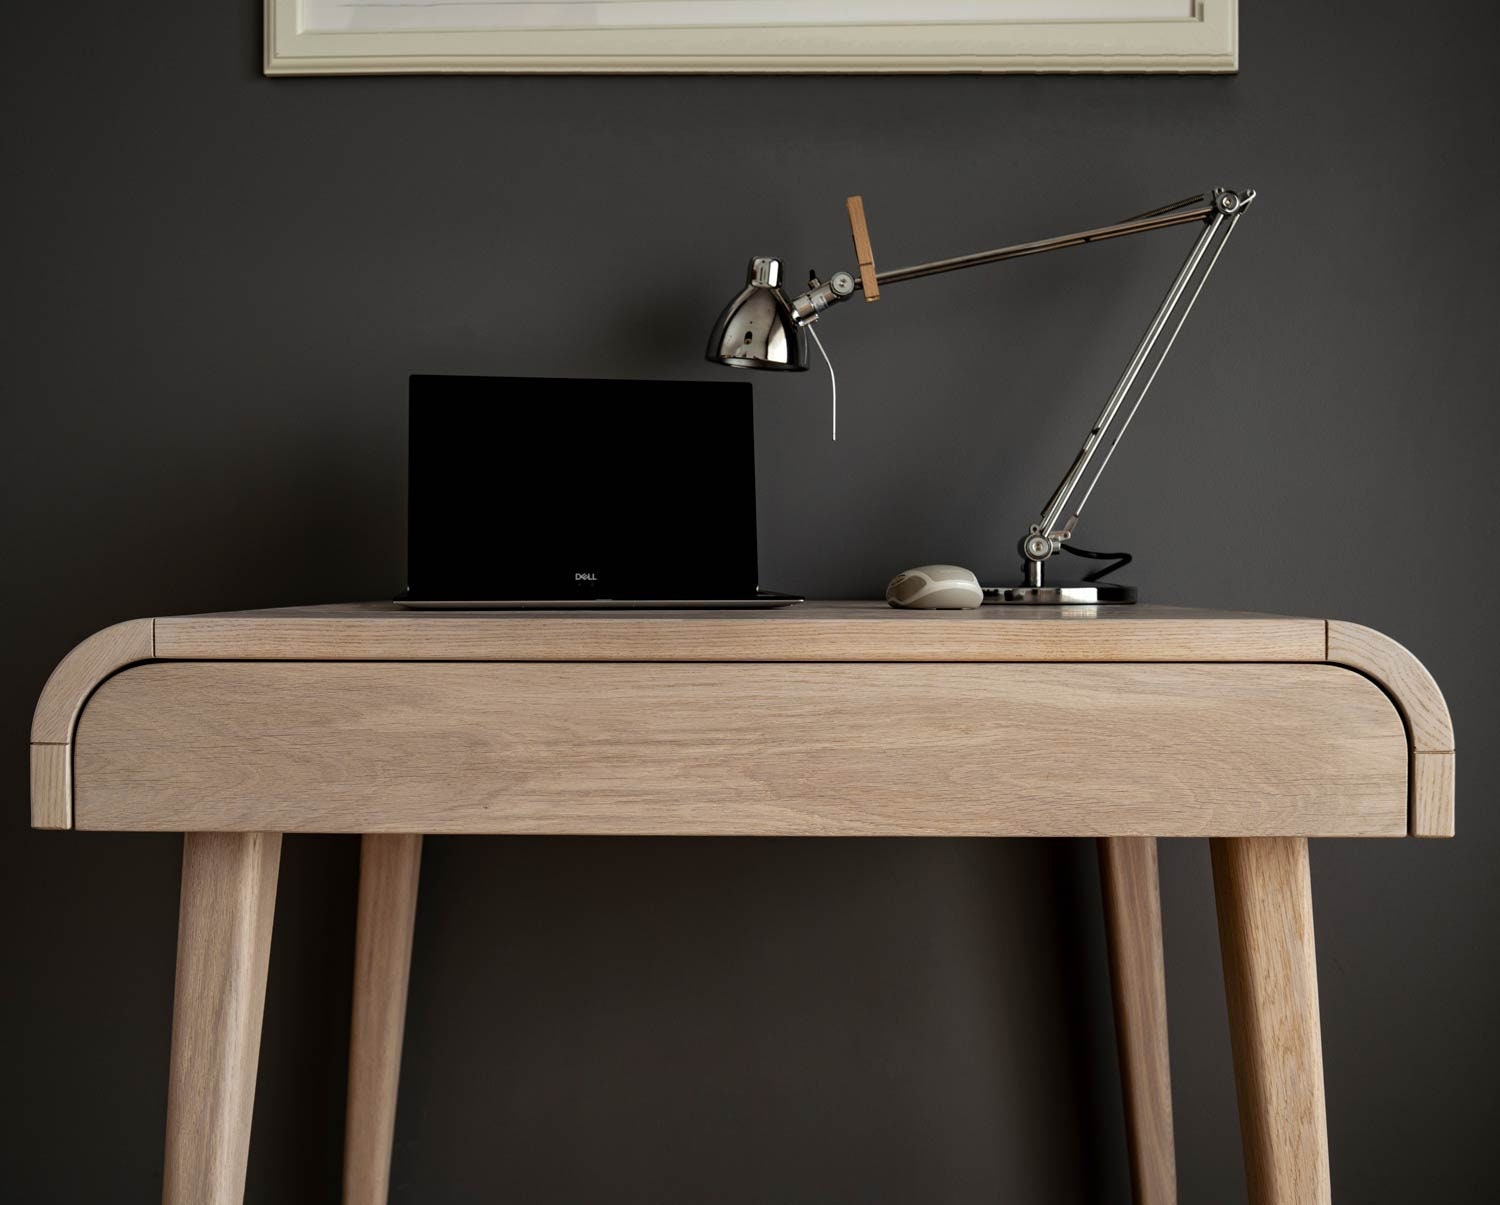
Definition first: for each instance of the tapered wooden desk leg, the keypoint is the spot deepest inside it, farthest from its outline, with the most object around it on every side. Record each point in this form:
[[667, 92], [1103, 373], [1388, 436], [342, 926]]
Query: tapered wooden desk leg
[[388, 871], [1264, 892], [1132, 921], [223, 947]]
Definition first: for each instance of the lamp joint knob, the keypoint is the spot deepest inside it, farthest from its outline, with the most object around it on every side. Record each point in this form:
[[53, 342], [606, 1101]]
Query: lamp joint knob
[[1038, 547]]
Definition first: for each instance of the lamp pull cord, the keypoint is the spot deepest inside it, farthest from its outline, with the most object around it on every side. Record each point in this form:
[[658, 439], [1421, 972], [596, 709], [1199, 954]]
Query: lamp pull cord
[[833, 380]]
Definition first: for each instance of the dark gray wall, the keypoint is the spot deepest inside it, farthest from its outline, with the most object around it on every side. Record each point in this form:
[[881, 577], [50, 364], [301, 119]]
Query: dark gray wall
[[216, 285]]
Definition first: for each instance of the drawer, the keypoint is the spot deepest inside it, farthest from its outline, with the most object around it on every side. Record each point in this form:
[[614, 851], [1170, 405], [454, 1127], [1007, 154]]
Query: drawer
[[938, 749]]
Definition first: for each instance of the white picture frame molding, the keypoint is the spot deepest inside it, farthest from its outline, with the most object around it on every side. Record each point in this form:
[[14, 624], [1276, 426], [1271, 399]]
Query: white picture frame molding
[[1205, 42]]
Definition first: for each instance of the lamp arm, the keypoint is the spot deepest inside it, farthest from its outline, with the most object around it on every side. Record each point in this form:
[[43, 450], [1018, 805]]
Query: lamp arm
[[843, 285], [1045, 537], [1220, 211], [1153, 221]]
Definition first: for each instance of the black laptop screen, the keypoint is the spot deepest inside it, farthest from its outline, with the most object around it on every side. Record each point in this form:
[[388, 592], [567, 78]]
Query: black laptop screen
[[525, 488]]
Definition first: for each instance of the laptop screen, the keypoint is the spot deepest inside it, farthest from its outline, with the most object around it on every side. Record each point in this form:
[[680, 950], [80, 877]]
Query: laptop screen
[[530, 488]]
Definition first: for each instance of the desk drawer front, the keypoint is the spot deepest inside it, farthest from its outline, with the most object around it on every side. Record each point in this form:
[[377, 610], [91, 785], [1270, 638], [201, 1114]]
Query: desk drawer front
[[790, 749]]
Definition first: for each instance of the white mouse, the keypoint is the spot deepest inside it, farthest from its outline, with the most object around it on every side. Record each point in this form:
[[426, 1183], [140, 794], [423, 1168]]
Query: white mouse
[[934, 587]]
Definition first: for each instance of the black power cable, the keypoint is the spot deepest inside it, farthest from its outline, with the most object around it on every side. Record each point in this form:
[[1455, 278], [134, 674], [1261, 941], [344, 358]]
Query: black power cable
[[1120, 559]]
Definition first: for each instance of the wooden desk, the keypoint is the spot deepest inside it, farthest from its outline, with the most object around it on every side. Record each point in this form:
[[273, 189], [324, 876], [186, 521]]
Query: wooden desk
[[1124, 724]]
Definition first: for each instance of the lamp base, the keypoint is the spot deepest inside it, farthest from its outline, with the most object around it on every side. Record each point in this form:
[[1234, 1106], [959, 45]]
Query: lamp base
[[1082, 594]]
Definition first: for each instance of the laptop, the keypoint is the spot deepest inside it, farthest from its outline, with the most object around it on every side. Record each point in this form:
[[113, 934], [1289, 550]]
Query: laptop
[[543, 493]]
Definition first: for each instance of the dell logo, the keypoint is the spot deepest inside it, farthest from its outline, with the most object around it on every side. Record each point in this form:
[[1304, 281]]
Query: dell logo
[[585, 577]]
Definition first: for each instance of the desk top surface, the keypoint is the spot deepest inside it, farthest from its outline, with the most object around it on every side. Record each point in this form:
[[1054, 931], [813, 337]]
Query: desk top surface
[[814, 631]]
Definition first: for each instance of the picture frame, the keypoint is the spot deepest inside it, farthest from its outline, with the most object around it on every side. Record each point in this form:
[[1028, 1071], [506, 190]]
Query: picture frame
[[379, 37]]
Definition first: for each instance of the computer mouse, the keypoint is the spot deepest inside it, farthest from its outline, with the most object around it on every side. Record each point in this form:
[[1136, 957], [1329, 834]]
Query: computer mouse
[[935, 587]]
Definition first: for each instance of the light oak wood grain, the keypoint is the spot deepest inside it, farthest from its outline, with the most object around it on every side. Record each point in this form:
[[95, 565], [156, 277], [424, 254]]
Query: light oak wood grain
[[76, 675], [52, 786], [223, 949], [1132, 920], [985, 750], [868, 631], [1404, 678], [864, 255], [1432, 795], [1264, 892], [389, 869], [1424, 711], [57, 708], [829, 632]]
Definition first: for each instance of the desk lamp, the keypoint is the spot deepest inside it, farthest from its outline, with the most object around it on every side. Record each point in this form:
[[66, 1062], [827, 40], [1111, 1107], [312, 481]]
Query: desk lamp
[[764, 328]]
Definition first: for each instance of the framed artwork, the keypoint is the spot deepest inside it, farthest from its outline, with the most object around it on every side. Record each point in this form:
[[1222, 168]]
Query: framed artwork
[[331, 37]]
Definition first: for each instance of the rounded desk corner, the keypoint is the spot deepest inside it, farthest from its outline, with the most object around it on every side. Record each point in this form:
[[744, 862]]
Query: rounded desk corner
[[1417, 697], [1411, 687], [68, 687], [80, 672]]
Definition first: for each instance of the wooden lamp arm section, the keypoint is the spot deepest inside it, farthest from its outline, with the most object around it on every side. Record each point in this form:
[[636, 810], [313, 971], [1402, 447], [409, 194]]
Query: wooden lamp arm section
[[869, 283]]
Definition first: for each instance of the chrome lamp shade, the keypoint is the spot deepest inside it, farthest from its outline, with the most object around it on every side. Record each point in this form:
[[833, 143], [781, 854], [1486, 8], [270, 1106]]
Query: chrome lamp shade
[[757, 329]]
